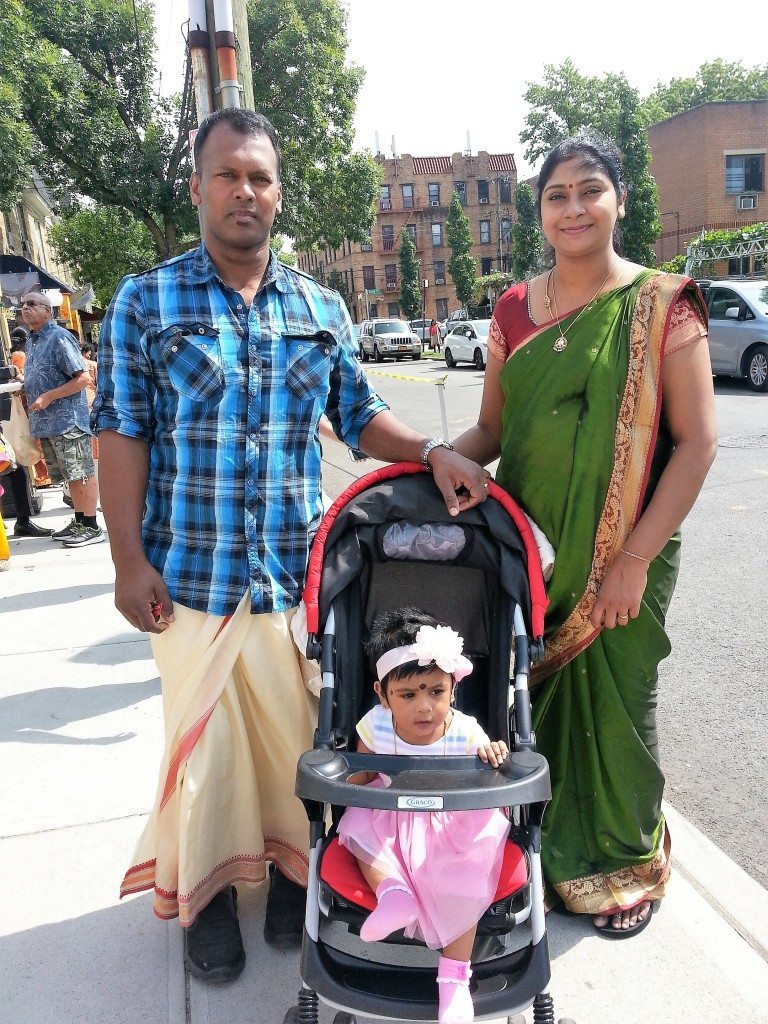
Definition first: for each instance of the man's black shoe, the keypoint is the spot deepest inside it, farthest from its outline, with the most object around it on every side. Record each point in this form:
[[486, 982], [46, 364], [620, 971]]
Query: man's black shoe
[[213, 947], [286, 908], [30, 529]]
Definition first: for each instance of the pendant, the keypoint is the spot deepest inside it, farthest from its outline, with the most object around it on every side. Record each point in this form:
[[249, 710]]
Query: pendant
[[560, 345]]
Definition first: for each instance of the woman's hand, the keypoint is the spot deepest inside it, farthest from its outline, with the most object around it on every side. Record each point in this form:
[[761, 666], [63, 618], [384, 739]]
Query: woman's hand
[[619, 598], [494, 752], [462, 482]]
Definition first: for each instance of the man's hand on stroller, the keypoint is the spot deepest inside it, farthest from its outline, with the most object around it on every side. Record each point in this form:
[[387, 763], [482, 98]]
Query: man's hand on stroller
[[462, 482], [493, 753]]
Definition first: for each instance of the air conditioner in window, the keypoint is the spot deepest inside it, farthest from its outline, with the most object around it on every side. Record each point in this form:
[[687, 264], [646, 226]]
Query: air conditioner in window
[[747, 202], [391, 286], [483, 202], [434, 202]]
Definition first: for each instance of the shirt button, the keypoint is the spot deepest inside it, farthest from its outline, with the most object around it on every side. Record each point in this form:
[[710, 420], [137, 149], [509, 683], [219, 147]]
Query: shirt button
[[174, 348], [201, 330], [240, 305]]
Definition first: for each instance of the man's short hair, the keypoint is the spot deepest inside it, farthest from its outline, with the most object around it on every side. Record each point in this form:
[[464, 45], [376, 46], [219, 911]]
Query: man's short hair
[[39, 297], [245, 122]]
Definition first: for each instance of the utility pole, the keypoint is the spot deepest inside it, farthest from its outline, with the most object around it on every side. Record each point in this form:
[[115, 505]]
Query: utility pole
[[244, 67]]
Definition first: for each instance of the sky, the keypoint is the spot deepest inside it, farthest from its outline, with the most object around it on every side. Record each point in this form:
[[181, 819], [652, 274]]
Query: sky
[[436, 69]]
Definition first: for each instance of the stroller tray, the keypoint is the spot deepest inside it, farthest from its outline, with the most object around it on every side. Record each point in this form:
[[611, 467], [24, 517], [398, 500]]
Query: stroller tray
[[423, 783]]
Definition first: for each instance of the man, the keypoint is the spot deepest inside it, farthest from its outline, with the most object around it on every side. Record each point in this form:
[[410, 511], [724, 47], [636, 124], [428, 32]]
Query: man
[[55, 379], [214, 371]]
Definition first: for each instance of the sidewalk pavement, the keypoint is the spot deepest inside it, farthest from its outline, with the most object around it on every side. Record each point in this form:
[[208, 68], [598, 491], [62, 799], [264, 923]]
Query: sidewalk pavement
[[81, 731]]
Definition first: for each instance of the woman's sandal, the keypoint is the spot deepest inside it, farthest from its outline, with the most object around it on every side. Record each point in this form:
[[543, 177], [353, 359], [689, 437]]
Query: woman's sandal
[[624, 933]]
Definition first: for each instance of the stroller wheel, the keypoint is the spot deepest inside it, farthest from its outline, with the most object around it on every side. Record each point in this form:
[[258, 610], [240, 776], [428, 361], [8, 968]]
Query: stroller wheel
[[291, 1016], [344, 1018]]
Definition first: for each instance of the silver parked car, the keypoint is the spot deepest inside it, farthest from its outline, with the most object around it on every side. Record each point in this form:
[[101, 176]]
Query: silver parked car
[[468, 343], [738, 330], [388, 339]]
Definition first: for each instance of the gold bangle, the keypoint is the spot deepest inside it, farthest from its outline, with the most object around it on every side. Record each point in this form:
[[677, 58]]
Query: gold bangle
[[633, 555]]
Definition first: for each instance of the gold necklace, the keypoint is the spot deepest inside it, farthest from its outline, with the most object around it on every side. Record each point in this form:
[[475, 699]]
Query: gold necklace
[[445, 736], [562, 342]]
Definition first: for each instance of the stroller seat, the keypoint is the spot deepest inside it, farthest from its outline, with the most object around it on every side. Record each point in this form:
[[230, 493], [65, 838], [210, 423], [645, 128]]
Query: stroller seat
[[342, 879]]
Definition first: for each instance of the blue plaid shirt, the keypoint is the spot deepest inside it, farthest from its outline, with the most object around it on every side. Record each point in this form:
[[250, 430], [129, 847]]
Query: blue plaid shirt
[[228, 399]]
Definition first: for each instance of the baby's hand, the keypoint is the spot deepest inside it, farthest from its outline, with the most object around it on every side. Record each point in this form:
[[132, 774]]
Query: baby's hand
[[494, 752]]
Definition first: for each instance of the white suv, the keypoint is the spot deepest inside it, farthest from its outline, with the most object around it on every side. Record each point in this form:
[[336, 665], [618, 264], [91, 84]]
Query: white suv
[[388, 339]]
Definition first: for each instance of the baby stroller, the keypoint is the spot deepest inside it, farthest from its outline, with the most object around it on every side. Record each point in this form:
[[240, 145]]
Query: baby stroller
[[388, 541]]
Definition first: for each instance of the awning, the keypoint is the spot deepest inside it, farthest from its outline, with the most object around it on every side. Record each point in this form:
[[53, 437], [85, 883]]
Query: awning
[[16, 272]]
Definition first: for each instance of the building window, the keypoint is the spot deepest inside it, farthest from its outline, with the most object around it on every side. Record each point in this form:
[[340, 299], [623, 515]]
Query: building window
[[505, 190], [407, 197], [460, 188], [373, 309], [441, 309], [485, 266], [437, 234], [366, 246], [369, 278], [482, 191], [390, 276], [411, 229], [485, 232], [744, 173], [385, 198], [433, 188], [388, 237], [439, 271], [506, 230], [393, 309]]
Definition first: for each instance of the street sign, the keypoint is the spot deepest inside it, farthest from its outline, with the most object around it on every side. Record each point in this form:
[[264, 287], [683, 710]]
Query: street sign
[[373, 291]]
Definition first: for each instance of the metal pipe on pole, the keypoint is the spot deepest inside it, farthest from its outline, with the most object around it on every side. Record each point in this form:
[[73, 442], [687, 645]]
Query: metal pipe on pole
[[198, 43], [226, 55]]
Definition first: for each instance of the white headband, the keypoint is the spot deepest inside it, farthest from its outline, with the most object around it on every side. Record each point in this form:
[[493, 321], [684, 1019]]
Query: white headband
[[439, 644]]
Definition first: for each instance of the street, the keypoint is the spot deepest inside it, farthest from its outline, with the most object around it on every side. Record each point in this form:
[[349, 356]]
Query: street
[[713, 723]]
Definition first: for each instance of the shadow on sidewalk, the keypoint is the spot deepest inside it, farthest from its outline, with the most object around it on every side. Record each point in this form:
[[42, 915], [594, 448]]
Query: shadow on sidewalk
[[32, 717], [47, 598], [108, 966]]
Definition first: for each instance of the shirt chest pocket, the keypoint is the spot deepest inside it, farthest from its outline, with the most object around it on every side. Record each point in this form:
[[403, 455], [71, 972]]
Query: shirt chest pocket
[[308, 363], [192, 358]]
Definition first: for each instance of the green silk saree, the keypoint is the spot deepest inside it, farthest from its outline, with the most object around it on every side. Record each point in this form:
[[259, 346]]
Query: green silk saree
[[583, 442]]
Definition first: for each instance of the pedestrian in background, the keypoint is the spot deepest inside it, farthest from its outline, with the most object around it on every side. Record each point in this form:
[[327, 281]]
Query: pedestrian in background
[[434, 336], [55, 381], [214, 371], [19, 338]]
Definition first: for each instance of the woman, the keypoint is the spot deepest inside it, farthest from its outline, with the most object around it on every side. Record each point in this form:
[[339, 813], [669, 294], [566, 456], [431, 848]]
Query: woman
[[598, 397]]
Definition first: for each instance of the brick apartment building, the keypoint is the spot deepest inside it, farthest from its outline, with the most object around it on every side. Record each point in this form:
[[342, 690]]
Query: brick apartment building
[[415, 196], [709, 164]]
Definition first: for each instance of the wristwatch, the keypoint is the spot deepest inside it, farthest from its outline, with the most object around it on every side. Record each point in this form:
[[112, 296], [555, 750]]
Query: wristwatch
[[434, 442]]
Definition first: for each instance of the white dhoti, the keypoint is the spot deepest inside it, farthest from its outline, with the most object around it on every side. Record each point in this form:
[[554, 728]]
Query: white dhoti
[[237, 718]]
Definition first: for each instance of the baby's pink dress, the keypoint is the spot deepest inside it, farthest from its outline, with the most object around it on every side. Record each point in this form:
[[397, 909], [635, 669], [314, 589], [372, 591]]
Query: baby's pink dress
[[449, 860]]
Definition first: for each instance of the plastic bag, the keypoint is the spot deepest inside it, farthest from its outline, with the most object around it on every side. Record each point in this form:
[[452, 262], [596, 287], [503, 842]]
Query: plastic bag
[[17, 432]]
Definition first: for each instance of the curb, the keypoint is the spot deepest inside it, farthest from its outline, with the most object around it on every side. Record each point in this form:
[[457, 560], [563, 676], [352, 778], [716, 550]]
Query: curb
[[729, 890]]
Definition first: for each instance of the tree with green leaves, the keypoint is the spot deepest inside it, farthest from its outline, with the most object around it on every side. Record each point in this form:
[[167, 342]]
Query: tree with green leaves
[[410, 285], [527, 239], [78, 103], [102, 244], [461, 265], [715, 80], [303, 83], [567, 101], [641, 225]]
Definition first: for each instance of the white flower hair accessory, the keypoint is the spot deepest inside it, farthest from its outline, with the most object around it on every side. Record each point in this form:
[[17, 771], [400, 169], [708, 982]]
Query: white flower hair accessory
[[439, 644]]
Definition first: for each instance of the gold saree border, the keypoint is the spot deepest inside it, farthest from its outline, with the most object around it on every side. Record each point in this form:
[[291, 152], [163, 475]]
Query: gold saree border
[[621, 889], [241, 868], [634, 439]]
